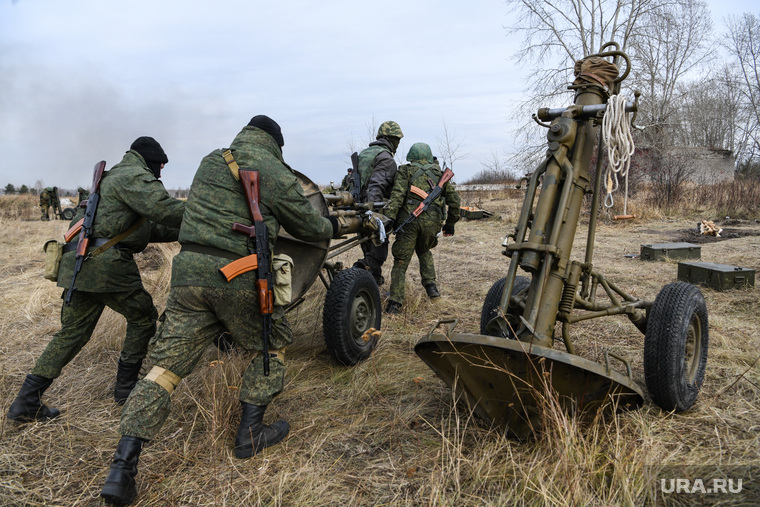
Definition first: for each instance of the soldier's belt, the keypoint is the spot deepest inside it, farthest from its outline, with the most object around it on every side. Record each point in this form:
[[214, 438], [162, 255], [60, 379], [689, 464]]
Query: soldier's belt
[[94, 244], [238, 266], [209, 250]]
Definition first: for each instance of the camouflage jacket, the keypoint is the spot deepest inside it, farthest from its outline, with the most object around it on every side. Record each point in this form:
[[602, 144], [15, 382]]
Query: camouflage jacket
[[217, 200], [378, 171], [128, 192], [46, 197], [403, 202]]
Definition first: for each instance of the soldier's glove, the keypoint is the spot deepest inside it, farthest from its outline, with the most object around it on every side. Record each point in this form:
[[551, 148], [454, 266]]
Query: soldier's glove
[[373, 225], [448, 230]]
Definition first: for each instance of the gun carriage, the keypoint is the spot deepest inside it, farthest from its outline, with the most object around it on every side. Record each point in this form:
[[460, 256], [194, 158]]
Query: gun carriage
[[351, 316]]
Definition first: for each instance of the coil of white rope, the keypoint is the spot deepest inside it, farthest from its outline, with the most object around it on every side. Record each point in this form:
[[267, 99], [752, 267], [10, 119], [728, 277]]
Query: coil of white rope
[[616, 130]]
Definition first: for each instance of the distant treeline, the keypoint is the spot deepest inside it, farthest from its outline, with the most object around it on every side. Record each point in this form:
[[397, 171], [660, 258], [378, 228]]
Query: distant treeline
[[10, 189]]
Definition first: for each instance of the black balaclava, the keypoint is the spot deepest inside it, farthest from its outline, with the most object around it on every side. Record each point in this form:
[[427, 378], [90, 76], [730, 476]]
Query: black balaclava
[[152, 152], [269, 126]]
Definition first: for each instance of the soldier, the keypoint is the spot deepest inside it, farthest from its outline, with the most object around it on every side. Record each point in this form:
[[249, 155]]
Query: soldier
[[83, 194], [46, 202], [129, 192], [202, 303], [377, 168], [420, 235]]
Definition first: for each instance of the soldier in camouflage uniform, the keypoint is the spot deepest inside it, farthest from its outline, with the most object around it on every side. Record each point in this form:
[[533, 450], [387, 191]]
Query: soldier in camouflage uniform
[[202, 303], [377, 169], [420, 235], [129, 192], [83, 194], [46, 202]]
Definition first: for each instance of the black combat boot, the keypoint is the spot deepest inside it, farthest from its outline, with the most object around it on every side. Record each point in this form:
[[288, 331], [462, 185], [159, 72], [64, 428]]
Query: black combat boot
[[432, 291], [120, 487], [27, 406], [393, 308], [254, 436], [126, 379]]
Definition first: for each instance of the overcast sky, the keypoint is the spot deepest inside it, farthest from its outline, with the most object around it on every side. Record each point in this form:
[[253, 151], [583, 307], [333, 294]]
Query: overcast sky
[[81, 79]]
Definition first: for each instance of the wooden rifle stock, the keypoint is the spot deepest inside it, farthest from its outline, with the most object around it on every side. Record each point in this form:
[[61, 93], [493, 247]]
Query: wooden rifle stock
[[258, 234], [86, 228]]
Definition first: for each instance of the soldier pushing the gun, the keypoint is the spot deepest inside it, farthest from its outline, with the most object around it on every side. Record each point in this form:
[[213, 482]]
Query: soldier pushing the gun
[[98, 270], [371, 180], [221, 280]]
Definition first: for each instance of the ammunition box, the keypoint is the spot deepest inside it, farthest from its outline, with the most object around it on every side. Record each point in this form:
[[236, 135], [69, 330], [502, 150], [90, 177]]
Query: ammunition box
[[672, 251], [471, 213], [716, 276]]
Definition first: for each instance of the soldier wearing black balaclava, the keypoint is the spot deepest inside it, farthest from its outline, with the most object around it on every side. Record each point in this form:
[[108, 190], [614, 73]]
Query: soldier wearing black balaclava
[[129, 192]]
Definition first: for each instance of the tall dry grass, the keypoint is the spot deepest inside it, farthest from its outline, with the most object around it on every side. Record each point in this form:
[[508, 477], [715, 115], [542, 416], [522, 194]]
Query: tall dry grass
[[387, 431]]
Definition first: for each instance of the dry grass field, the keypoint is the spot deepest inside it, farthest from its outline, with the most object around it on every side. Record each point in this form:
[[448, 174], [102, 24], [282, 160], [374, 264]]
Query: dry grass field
[[388, 431]]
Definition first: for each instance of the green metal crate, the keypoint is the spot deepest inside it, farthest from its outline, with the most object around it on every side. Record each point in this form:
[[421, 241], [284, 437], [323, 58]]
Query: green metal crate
[[672, 251], [716, 276]]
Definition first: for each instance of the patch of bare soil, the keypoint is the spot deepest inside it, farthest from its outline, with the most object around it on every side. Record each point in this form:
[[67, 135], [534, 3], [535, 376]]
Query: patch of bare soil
[[743, 229]]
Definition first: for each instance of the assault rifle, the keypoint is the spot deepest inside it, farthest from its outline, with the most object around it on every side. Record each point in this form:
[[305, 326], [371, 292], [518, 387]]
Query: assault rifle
[[260, 258], [434, 193], [86, 232], [356, 178]]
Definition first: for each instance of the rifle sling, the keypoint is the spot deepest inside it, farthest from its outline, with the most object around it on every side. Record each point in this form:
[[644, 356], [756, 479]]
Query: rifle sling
[[234, 167], [103, 244]]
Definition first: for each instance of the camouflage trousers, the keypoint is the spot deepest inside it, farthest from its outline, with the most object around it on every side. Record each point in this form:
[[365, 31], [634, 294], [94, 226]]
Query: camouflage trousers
[[194, 317], [374, 258], [420, 237], [45, 211], [78, 321]]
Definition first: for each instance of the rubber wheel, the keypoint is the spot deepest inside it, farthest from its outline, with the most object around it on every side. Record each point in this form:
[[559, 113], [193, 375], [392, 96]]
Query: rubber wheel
[[493, 298], [675, 346], [68, 213], [352, 307]]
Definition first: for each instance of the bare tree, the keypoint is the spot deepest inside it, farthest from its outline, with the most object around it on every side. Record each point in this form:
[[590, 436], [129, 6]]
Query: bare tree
[[556, 33], [709, 110], [449, 147], [495, 170], [743, 42], [670, 42], [667, 173]]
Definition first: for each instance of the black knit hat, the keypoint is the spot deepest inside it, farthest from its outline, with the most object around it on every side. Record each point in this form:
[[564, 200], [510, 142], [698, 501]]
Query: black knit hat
[[269, 126], [150, 150]]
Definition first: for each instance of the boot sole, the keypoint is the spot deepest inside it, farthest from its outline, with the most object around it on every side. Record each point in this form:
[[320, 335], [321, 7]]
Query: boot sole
[[245, 452], [112, 494], [24, 418]]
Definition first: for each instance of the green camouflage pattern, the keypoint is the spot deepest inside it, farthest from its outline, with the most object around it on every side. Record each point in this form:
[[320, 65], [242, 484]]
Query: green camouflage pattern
[[78, 322], [420, 152], [194, 317], [202, 304], [83, 194], [389, 128], [46, 201], [217, 200], [127, 192], [420, 235], [403, 202]]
